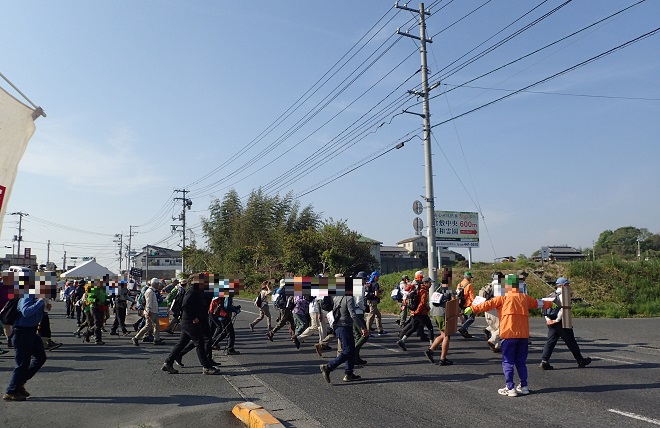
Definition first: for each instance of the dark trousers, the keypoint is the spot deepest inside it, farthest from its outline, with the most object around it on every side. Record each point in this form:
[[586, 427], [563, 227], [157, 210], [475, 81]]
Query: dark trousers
[[224, 328], [98, 323], [190, 334], [30, 356], [78, 313], [120, 320], [44, 326], [67, 302], [286, 316], [359, 338], [345, 336], [207, 343], [416, 322], [555, 331]]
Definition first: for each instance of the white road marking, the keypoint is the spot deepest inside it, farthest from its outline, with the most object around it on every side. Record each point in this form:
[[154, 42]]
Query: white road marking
[[617, 361], [634, 416]]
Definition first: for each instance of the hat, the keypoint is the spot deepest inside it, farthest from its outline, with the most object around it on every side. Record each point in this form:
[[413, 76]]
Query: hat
[[122, 281], [468, 273], [563, 281], [361, 274], [282, 282], [426, 279], [154, 281], [522, 274], [405, 278], [512, 279], [175, 281]]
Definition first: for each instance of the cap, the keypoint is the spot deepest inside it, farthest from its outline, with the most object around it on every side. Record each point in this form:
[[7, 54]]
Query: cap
[[563, 281], [122, 281], [468, 273], [154, 281], [361, 274], [512, 279]]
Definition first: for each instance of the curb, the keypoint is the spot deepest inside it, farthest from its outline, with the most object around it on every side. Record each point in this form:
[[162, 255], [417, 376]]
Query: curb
[[253, 415]]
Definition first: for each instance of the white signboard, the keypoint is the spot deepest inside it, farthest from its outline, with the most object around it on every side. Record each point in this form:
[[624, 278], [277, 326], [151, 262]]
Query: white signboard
[[457, 229]]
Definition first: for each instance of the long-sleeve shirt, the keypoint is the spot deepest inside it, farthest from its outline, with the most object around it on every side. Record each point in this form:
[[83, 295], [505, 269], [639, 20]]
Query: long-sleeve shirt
[[347, 315], [423, 305], [513, 311], [151, 300], [468, 291], [31, 311], [194, 306]]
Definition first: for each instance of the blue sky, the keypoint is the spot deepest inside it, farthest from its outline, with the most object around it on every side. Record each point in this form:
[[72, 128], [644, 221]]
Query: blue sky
[[150, 96]]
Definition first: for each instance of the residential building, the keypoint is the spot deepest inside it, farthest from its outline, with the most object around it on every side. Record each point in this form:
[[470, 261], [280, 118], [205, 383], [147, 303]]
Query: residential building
[[158, 262]]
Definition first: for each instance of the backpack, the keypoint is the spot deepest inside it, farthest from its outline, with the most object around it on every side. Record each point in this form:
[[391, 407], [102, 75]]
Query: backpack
[[290, 303], [396, 293], [10, 313], [336, 313], [142, 300], [327, 303], [550, 312], [217, 307], [413, 300], [486, 291], [177, 304], [258, 301], [280, 301], [460, 294]]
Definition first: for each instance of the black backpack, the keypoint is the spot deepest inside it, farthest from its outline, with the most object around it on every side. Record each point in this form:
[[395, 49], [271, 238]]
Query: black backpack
[[413, 300], [460, 294], [177, 304], [10, 313], [327, 304], [280, 301], [550, 312]]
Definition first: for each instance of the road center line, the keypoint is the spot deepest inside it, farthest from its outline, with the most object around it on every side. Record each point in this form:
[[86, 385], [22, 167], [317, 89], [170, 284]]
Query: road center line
[[634, 416]]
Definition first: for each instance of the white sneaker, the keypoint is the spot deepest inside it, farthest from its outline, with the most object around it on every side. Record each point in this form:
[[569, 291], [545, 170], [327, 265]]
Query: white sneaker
[[522, 390], [508, 392]]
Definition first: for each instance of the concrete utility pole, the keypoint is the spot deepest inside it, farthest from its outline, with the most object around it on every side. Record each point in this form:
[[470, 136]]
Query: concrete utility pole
[[130, 249], [48, 255], [430, 202], [120, 242], [20, 228], [186, 203]]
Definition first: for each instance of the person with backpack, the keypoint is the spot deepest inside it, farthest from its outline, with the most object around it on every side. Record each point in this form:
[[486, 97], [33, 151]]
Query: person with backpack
[[285, 304], [397, 296], [174, 300], [77, 296], [513, 310], [119, 303], [28, 346], [224, 322], [418, 304], [316, 324], [264, 311], [152, 324], [439, 301], [372, 297], [553, 318], [345, 319], [465, 294]]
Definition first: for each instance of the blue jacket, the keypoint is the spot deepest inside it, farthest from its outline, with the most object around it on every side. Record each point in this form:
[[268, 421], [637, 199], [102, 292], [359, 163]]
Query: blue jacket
[[31, 311]]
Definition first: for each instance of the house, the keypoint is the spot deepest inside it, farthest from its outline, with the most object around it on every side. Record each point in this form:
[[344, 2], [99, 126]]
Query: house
[[563, 254], [162, 262], [411, 254]]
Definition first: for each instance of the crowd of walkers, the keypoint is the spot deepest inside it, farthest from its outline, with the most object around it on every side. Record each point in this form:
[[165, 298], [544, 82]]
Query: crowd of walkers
[[204, 321]]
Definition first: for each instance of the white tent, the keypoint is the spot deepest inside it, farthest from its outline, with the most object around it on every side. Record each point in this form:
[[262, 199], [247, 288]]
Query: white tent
[[89, 269]]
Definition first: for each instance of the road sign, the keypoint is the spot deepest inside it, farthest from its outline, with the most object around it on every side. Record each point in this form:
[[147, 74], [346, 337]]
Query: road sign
[[418, 224], [457, 229], [28, 253], [418, 207]]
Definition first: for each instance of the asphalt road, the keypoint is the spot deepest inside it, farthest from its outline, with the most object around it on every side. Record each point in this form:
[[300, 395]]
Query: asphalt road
[[120, 385]]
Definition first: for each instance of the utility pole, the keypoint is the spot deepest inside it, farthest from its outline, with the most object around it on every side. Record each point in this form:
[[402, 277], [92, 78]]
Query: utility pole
[[20, 229], [186, 203], [430, 202], [64, 269], [130, 249], [48, 255], [120, 242]]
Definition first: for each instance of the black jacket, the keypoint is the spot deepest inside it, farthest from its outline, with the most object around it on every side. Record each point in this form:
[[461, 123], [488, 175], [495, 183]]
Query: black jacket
[[194, 306]]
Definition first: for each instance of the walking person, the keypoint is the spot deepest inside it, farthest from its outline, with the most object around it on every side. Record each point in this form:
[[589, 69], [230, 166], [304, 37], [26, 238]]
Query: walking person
[[372, 296], [465, 293], [78, 297], [264, 310], [28, 346], [150, 315], [553, 318], [343, 327], [194, 315], [513, 310], [419, 316], [285, 304], [439, 318], [119, 306]]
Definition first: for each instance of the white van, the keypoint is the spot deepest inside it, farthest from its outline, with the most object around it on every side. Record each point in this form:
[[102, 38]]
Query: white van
[[19, 269]]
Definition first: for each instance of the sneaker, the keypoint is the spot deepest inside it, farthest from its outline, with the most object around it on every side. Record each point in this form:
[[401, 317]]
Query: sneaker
[[325, 370], [296, 342], [381, 333], [269, 336], [584, 363], [487, 333], [523, 390], [3, 352], [232, 351], [491, 345], [319, 349], [210, 371], [545, 366], [168, 368], [401, 344], [251, 327], [179, 363], [135, 341], [21, 390], [508, 392], [445, 362], [13, 397], [465, 333], [429, 355], [351, 377]]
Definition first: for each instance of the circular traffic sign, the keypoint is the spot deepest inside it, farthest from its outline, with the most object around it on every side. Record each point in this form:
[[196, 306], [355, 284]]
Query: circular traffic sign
[[418, 224], [418, 207]]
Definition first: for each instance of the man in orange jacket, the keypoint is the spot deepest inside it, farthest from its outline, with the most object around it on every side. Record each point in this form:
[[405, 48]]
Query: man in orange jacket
[[513, 311], [465, 292]]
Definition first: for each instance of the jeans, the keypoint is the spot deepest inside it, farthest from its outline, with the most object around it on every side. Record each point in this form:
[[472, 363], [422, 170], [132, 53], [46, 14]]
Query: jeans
[[514, 354], [30, 356], [468, 321], [345, 336]]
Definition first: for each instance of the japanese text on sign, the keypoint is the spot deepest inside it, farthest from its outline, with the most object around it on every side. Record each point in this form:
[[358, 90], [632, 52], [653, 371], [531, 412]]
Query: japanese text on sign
[[457, 229]]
